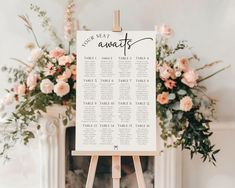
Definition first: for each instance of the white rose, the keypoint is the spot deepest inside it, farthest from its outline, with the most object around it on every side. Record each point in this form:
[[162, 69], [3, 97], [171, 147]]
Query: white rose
[[36, 54], [9, 99], [61, 88], [46, 86]]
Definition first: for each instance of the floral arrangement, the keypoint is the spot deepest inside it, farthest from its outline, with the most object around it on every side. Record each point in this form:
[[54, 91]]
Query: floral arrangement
[[49, 77], [183, 108]]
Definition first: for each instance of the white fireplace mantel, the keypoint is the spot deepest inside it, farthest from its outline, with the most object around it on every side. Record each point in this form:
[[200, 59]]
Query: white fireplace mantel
[[52, 147], [52, 159]]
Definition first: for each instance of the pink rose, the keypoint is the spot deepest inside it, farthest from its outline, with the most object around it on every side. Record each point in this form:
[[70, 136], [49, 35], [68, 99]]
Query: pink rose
[[63, 60], [67, 73], [186, 104], [56, 53], [32, 81], [182, 64], [65, 76], [165, 31], [21, 89], [61, 88], [166, 72], [46, 86], [170, 84], [190, 78], [163, 98], [50, 70]]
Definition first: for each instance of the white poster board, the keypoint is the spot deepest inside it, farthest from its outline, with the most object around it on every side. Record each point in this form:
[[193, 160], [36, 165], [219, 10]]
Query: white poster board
[[116, 91]]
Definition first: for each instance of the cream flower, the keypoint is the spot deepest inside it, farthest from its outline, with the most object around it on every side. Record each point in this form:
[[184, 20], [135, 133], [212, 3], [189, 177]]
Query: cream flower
[[32, 81], [46, 86], [190, 78], [186, 104], [36, 54], [178, 74], [163, 98], [30, 45], [61, 88]]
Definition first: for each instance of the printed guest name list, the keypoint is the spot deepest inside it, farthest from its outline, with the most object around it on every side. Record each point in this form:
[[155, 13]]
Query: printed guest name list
[[116, 91]]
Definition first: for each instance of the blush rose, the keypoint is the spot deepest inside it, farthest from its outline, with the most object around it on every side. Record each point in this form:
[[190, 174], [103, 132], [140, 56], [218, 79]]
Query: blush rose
[[186, 104]]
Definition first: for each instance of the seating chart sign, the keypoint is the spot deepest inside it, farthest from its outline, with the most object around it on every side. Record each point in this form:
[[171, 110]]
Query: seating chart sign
[[116, 91]]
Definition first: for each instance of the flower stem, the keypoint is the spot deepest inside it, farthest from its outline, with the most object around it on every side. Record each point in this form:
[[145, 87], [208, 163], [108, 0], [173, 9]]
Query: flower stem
[[214, 73], [35, 38], [209, 65], [18, 60]]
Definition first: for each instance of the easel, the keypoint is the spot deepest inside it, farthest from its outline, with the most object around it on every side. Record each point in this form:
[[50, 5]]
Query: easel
[[116, 165], [116, 156]]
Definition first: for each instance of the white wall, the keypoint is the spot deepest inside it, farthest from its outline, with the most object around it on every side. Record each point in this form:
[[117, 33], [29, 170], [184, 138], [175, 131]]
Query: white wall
[[209, 25], [202, 175]]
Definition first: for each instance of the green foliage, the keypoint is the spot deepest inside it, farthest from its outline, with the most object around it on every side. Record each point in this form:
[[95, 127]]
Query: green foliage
[[191, 129], [46, 23]]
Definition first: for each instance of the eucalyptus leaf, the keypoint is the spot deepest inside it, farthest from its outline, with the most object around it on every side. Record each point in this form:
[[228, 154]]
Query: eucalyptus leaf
[[176, 106], [181, 92], [171, 96]]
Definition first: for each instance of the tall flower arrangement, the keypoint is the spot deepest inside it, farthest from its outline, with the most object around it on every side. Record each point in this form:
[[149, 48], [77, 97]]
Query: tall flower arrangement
[[49, 77], [183, 108]]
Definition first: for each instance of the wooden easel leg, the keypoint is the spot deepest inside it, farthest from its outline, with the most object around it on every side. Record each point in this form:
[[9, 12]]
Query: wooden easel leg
[[139, 172], [116, 171], [91, 172]]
